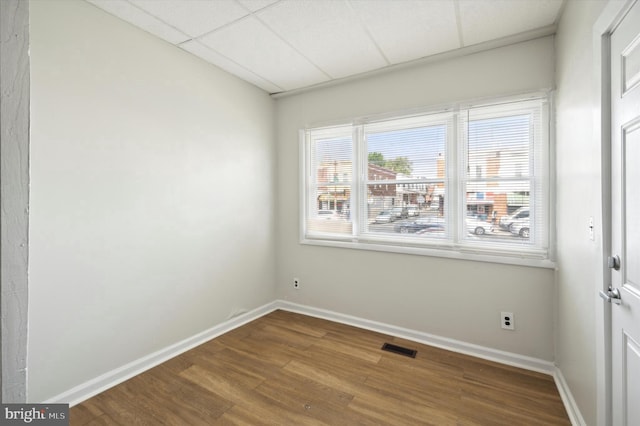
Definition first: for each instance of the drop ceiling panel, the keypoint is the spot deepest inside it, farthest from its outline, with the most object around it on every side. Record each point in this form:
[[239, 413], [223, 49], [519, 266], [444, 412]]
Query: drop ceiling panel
[[327, 33], [132, 14], [193, 17], [409, 29], [250, 44], [280, 45], [483, 20], [228, 65]]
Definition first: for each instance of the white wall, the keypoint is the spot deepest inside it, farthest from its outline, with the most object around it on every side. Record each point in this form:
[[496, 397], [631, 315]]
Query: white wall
[[453, 298], [578, 197], [152, 182], [14, 218]]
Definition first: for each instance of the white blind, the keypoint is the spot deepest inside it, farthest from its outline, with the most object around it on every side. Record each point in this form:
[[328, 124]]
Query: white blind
[[330, 179], [503, 205], [406, 177]]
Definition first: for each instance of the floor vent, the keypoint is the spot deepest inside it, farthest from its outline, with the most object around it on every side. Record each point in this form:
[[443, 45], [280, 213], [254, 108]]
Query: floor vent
[[399, 350]]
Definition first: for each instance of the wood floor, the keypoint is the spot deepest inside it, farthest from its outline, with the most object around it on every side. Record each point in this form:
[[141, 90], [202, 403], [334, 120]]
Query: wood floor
[[291, 369]]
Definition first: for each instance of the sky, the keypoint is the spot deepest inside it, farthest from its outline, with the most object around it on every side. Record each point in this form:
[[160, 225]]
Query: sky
[[423, 145]]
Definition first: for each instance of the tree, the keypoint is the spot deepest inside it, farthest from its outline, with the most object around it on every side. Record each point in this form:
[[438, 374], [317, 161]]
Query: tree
[[399, 165], [377, 158]]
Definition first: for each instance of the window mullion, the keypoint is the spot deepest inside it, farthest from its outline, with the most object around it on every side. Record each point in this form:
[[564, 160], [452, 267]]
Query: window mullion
[[456, 187], [358, 210], [307, 182]]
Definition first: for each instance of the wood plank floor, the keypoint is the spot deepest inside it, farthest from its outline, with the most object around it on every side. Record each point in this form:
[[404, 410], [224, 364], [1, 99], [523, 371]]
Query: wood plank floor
[[291, 369]]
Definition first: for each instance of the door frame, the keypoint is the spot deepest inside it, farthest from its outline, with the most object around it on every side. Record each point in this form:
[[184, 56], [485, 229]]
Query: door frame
[[608, 20]]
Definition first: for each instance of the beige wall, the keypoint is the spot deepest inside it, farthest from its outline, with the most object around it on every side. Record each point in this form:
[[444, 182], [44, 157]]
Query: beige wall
[[152, 185], [453, 298]]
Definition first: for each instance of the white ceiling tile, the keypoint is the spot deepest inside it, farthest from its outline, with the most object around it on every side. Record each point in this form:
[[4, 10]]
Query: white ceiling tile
[[254, 5], [220, 61], [194, 17], [128, 12], [409, 29], [326, 32], [250, 44], [484, 20]]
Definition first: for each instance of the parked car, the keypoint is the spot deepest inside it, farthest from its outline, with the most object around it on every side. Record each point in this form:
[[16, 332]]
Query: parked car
[[413, 211], [430, 223], [478, 226], [520, 227], [400, 212], [385, 217], [506, 221], [328, 214], [433, 232]]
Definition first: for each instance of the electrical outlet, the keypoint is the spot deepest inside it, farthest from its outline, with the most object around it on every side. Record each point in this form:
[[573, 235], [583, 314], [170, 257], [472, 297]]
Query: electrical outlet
[[507, 321], [296, 283]]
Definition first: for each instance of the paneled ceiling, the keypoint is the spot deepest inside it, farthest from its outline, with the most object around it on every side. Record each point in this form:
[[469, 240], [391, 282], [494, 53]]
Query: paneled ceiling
[[283, 45]]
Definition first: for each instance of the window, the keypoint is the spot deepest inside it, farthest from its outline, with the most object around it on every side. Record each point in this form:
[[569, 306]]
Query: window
[[469, 182]]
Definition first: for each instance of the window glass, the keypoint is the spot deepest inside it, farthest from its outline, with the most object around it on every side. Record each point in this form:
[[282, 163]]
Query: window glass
[[329, 192], [498, 178], [406, 179]]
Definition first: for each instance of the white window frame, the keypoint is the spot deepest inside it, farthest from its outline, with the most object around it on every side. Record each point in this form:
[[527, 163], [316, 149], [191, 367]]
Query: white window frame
[[538, 254]]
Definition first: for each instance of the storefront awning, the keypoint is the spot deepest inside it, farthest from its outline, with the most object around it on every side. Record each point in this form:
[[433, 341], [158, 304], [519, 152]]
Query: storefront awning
[[331, 197], [517, 199]]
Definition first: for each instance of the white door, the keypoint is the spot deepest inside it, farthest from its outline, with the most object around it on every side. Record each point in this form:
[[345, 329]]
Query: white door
[[625, 197]]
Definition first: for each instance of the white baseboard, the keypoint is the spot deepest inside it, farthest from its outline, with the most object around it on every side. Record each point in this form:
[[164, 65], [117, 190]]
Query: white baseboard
[[508, 358], [105, 381], [567, 398]]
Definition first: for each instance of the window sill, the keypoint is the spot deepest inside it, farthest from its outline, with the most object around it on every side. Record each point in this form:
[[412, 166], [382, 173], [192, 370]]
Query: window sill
[[518, 259]]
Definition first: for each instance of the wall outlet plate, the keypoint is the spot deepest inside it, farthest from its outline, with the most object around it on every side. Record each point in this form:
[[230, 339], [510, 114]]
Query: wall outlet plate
[[507, 321], [296, 283]]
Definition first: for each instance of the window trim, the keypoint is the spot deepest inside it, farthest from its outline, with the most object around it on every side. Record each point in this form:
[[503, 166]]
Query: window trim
[[449, 247]]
